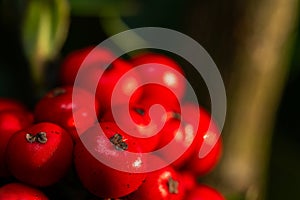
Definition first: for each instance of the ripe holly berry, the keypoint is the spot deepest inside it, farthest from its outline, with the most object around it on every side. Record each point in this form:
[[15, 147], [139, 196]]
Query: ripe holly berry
[[157, 94], [178, 150], [198, 118], [162, 184], [95, 61], [208, 137], [15, 191], [43, 154], [110, 129], [156, 73], [187, 136], [146, 134], [95, 150], [203, 192], [149, 125], [188, 180], [73, 61], [58, 106], [202, 166], [11, 121], [118, 71], [11, 104], [191, 136]]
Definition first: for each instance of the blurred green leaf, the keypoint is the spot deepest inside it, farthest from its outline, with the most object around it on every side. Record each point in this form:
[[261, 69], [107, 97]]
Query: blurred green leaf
[[44, 32]]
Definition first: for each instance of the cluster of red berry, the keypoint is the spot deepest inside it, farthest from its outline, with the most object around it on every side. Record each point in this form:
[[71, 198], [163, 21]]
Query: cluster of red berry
[[38, 148]]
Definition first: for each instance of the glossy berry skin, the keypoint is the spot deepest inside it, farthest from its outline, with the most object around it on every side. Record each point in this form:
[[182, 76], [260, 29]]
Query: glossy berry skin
[[153, 115], [208, 137], [111, 128], [188, 180], [119, 71], [162, 184], [157, 94], [73, 61], [181, 141], [203, 192], [202, 166], [191, 136], [146, 135], [59, 107], [11, 104], [188, 115], [103, 180], [11, 121], [16, 191], [95, 64], [164, 76], [43, 154]]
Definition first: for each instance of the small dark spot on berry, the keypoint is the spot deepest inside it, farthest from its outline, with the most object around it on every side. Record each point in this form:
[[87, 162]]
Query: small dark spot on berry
[[140, 111]]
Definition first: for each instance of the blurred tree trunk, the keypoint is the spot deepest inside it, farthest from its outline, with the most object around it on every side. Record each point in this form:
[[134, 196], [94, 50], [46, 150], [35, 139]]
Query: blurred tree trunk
[[253, 47]]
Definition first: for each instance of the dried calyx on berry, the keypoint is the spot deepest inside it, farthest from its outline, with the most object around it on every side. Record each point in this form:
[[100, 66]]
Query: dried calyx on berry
[[173, 186], [40, 137], [117, 141]]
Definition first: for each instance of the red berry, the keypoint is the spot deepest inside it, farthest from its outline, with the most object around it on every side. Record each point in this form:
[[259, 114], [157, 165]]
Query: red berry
[[58, 106], [153, 124], [157, 94], [11, 104], [147, 135], [123, 176], [204, 192], [188, 180], [11, 121], [40, 155], [162, 184], [208, 137], [168, 135], [191, 137], [107, 83], [167, 76], [134, 144], [202, 166], [95, 64], [187, 136], [18, 191], [73, 61], [199, 119], [179, 147]]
